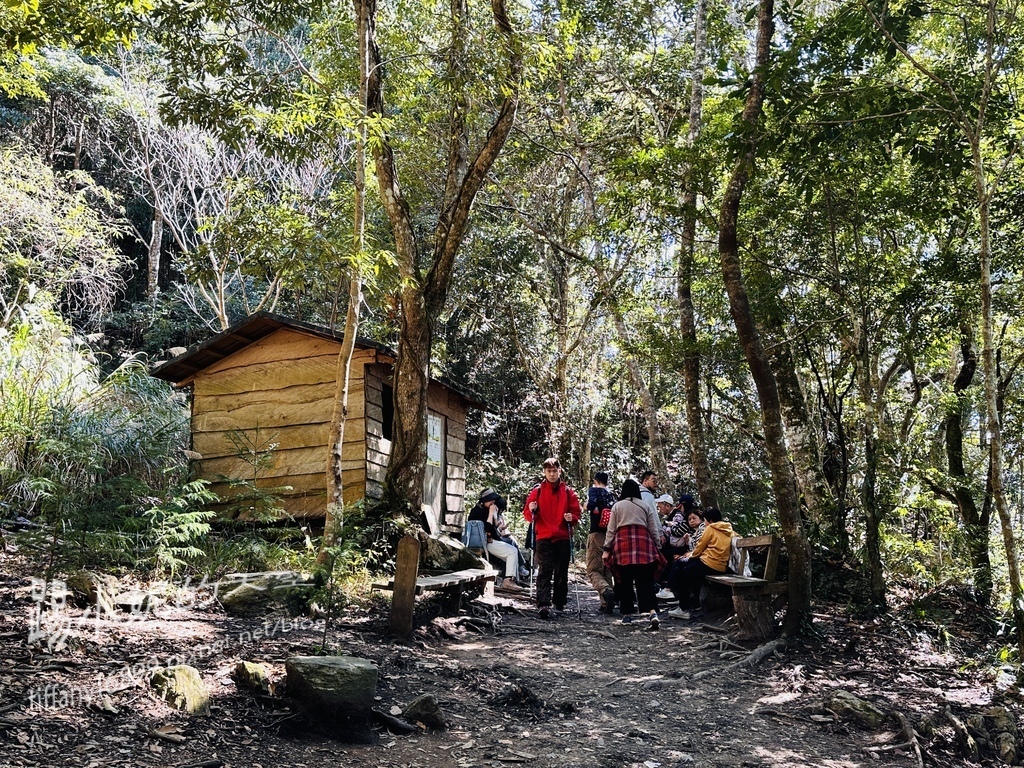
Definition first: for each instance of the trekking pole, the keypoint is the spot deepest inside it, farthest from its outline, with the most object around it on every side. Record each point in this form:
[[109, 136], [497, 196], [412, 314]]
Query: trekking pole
[[575, 582], [533, 551]]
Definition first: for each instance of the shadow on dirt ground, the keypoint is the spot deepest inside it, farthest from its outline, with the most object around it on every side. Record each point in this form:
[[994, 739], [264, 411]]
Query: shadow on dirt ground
[[580, 690]]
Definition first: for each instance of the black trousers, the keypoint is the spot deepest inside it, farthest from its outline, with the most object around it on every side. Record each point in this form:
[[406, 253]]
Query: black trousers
[[686, 579], [636, 582], [552, 572]]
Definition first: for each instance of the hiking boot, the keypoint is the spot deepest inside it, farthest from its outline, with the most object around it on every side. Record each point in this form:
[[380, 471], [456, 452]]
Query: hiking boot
[[509, 585], [608, 598]]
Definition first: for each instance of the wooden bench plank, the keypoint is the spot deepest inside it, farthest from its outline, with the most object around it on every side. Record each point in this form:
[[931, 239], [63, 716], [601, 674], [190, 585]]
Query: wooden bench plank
[[757, 541], [443, 581], [747, 585]]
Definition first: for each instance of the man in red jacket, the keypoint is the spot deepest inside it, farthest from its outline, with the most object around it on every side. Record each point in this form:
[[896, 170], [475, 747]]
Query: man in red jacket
[[553, 508]]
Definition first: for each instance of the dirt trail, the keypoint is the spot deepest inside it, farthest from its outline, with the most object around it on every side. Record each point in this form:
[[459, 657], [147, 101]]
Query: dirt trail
[[575, 691]]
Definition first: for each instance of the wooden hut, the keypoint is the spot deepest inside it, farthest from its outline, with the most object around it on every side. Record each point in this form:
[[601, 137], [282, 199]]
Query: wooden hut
[[269, 383]]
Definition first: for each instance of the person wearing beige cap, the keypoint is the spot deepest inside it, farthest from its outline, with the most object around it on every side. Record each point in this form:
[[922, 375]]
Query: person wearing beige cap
[[487, 511]]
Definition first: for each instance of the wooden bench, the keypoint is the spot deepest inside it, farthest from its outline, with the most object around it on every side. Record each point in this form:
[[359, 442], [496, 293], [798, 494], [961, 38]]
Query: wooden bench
[[407, 584], [754, 598]]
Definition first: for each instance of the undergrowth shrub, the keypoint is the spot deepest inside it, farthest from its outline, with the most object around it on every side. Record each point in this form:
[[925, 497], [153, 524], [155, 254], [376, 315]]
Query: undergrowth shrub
[[98, 461]]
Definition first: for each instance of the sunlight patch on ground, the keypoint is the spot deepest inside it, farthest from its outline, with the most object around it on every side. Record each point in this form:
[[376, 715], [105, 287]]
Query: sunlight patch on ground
[[923, 650], [786, 758], [779, 698], [972, 696]]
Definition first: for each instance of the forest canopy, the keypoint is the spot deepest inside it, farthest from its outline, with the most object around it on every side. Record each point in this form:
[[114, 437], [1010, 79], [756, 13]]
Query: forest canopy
[[770, 251]]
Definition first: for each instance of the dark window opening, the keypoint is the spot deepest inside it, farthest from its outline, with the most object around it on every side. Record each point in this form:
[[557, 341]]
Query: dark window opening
[[388, 419]]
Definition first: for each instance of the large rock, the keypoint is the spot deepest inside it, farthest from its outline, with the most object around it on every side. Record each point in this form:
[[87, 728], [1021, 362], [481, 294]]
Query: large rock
[[182, 688], [136, 602], [849, 707], [251, 676], [95, 589], [256, 594], [442, 554], [425, 709], [335, 692], [1003, 731]]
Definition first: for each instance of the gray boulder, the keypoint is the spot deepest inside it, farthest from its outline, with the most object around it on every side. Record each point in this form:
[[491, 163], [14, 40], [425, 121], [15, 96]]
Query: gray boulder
[[335, 692], [94, 589], [255, 594], [425, 709], [137, 602], [848, 707], [252, 677], [1003, 731], [442, 554]]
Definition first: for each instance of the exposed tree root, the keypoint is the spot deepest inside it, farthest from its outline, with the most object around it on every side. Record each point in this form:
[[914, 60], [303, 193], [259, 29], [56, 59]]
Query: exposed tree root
[[967, 743], [752, 659], [910, 743], [392, 723]]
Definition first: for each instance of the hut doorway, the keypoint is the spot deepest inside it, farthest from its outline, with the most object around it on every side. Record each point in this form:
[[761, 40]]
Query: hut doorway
[[434, 476]]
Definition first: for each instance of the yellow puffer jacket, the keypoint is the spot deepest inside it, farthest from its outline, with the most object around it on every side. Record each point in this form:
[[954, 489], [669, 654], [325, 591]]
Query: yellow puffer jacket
[[715, 546]]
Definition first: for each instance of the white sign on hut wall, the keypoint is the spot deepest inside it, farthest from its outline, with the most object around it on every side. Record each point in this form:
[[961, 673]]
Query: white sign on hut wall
[[433, 440]]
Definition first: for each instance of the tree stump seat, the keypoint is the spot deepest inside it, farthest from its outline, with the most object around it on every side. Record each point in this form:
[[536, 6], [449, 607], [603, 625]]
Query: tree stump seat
[[755, 599]]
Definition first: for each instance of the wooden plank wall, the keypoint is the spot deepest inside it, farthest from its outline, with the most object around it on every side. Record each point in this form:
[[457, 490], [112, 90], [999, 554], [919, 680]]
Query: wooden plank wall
[[281, 388]]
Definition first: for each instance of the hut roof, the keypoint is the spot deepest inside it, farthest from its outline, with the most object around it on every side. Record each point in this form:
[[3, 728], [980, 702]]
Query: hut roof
[[182, 369]]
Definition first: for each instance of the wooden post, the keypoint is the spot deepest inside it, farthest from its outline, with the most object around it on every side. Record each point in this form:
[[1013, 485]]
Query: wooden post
[[773, 558], [403, 598]]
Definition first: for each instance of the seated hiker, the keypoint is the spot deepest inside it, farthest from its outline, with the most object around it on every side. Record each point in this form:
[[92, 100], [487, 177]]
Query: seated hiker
[[679, 526], [672, 544], [709, 556], [506, 535], [487, 510], [695, 525]]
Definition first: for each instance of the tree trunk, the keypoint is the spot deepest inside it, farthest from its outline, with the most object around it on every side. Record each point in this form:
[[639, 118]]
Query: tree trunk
[[868, 493], [343, 376], [872, 518], [976, 523], [801, 437], [800, 434], [798, 614], [424, 292], [687, 254], [995, 430], [403, 483], [153, 262]]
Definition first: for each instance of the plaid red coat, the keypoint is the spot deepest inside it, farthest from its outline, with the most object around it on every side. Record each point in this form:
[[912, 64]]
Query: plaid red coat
[[633, 545]]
